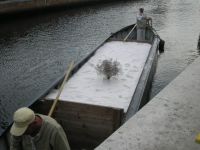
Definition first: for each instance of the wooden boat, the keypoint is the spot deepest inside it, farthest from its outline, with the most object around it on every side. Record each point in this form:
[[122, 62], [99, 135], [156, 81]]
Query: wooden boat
[[91, 108]]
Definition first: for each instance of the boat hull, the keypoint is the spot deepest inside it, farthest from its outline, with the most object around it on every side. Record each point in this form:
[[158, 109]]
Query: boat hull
[[87, 125]]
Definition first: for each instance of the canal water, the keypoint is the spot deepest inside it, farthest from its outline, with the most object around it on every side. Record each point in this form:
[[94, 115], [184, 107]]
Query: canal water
[[35, 50]]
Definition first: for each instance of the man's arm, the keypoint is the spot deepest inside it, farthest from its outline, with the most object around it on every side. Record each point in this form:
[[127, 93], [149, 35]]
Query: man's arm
[[149, 21], [61, 142]]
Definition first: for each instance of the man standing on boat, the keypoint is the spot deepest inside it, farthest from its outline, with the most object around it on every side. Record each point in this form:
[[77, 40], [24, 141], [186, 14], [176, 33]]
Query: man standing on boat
[[32, 131], [142, 23]]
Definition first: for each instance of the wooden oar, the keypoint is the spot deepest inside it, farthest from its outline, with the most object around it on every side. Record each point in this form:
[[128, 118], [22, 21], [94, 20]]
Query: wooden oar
[[61, 88], [130, 33]]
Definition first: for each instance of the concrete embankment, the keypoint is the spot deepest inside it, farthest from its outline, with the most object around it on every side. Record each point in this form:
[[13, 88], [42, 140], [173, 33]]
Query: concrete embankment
[[171, 120], [9, 6]]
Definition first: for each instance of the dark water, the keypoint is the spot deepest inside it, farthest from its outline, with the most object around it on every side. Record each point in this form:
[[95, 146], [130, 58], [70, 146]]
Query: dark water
[[35, 51]]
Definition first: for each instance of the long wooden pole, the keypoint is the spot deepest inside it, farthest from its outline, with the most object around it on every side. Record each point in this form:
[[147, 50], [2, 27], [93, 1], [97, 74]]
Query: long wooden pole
[[61, 88], [130, 33]]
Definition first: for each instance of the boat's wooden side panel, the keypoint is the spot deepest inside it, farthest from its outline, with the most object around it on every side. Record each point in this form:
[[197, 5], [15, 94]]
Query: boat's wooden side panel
[[86, 125], [141, 95]]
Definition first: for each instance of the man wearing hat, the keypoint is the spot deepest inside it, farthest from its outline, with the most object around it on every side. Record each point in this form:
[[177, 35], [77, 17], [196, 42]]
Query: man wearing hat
[[142, 23], [32, 131]]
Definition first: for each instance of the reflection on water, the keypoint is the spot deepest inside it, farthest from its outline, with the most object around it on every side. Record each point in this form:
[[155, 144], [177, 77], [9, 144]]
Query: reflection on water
[[35, 51]]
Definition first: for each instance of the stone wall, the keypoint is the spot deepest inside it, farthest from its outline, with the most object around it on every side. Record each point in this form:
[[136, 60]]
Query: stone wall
[[8, 6], [14, 6]]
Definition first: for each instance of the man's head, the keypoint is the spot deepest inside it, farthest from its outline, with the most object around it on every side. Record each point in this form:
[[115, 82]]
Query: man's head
[[23, 118], [141, 10]]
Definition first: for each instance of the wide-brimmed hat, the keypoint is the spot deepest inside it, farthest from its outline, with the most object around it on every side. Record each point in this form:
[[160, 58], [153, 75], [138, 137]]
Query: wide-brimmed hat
[[22, 118]]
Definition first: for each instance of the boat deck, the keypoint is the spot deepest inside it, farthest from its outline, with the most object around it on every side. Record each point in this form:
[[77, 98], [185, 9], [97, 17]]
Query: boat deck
[[88, 87]]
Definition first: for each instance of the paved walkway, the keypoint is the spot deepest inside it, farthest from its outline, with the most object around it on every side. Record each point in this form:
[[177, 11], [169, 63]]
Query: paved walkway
[[170, 121]]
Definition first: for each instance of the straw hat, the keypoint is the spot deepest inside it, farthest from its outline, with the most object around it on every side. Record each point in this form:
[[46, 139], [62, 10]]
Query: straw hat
[[22, 118]]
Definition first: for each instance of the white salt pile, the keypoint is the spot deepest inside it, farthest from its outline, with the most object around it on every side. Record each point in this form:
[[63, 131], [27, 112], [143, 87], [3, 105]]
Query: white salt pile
[[86, 86]]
